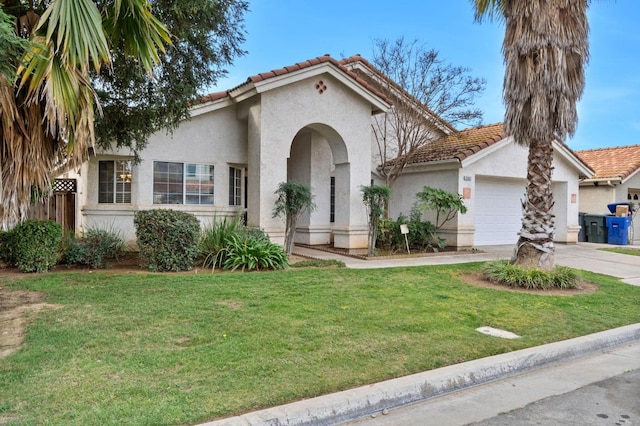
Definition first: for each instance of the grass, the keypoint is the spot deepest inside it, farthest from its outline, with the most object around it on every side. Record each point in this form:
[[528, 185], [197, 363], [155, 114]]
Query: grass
[[319, 263], [629, 251], [185, 348]]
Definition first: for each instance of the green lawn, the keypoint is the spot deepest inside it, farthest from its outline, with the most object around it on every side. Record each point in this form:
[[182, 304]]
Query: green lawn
[[630, 251], [185, 348]]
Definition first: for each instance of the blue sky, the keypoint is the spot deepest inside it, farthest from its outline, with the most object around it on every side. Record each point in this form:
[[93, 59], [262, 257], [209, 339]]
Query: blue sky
[[283, 32]]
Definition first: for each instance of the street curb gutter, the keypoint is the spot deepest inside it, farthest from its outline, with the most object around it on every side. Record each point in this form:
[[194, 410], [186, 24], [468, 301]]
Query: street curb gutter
[[366, 400]]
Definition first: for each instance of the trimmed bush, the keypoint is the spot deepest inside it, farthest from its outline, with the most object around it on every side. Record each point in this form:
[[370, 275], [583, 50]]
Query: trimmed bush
[[93, 249], [168, 239], [6, 254], [33, 245], [505, 273]]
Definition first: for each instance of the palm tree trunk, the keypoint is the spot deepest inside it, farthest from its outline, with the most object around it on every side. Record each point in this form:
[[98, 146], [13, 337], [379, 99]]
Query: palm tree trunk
[[535, 246]]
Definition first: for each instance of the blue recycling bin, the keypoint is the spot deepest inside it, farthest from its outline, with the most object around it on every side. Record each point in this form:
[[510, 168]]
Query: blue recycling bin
[[618, 229]]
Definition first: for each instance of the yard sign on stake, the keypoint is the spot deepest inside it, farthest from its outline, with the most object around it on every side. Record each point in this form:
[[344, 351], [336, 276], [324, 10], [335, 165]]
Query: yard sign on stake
[[405, 230]]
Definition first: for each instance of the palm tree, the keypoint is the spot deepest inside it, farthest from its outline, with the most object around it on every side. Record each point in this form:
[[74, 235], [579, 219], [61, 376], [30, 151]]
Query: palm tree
[[47, 110], [545, 50]]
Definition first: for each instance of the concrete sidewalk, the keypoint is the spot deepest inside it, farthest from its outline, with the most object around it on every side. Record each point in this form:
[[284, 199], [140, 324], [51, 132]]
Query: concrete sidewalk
[[604, 354]]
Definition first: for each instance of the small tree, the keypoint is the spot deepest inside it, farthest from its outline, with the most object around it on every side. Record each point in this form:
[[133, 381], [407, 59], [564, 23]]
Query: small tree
[[375, 197], [445, 204], [294, 198], [429, 96]]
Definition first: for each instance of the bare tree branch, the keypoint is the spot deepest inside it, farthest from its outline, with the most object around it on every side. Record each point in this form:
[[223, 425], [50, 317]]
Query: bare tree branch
[[430, 98]]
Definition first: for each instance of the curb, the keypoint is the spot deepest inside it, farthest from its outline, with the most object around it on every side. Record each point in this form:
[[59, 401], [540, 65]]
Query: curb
[[366, 400]]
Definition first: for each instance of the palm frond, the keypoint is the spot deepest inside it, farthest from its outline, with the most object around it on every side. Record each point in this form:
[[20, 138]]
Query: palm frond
[[143, 36], [492, 9], [75, 28]]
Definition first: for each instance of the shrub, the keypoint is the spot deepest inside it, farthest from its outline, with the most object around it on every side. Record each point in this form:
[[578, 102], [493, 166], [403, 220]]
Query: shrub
[[94, 248], [215, 238], [6, 253], [445, 204], [254, 253], [168, 239], [33, 245], [503, 272], [421, 234]]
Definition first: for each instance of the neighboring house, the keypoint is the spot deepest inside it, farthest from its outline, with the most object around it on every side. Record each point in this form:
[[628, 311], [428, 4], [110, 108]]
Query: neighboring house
[[489, 169], [616, 179], [312, 122]]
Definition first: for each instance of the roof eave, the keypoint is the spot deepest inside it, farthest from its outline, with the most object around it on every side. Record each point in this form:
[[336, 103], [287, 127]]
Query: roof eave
[[610, 181], [583, 170], [484, 152], [205, 107], [449, 164]]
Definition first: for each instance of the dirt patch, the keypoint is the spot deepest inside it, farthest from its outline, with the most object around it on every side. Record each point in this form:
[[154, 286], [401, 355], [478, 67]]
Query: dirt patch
[[478, 280], [16, 310]]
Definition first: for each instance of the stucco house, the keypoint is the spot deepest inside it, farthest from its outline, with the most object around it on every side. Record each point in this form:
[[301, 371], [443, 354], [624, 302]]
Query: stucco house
[[312, 122], [489, 169], [616, 179], [309, 122]]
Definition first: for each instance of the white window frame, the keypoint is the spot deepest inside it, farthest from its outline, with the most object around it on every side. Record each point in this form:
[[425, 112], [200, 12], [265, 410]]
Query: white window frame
[[120, 192], [186, 196]]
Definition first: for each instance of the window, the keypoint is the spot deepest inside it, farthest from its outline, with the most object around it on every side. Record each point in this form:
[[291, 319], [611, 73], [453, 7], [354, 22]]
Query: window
[[235, 186], [332, 201], [180, 183], [114, 182]]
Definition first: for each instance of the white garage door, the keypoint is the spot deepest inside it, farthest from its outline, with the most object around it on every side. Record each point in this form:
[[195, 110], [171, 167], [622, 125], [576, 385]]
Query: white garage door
[[498, 208]]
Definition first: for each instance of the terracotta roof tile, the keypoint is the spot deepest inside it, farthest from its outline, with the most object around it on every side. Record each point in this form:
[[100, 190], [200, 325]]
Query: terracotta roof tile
[[460, 145], [212, 97], [618, 162], [309, 63], [292, 68]]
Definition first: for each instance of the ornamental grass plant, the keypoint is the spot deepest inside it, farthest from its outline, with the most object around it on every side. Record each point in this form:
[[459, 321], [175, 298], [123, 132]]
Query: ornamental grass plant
[[505, 273]]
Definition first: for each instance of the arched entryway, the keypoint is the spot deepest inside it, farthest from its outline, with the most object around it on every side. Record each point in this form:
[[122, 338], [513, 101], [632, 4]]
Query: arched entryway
[[318, 157]]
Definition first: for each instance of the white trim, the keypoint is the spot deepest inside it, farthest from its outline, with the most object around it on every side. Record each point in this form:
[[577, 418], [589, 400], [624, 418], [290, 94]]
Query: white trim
[[207, 107], [431, 166], [583, 169], [486, 151]]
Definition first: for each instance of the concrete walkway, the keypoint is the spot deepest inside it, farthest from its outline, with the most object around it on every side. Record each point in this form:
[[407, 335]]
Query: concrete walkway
[[601, 355], [584, 256]]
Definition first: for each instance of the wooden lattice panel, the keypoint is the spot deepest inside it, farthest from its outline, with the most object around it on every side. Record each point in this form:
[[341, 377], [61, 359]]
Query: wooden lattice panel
[[64, 185]]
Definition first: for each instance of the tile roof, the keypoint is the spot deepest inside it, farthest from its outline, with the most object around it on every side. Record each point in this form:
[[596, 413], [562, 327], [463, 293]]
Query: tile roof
[[616, 163], [296, 67], [460, 145]]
